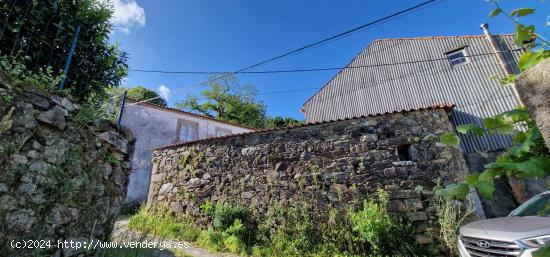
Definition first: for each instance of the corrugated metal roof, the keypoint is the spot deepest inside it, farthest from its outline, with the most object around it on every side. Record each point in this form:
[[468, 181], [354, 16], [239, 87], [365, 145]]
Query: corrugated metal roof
[[445, 106], [160, 107], [472, 87]]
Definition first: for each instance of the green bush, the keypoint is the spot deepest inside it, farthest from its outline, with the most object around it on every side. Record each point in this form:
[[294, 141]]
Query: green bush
[[211, 240], [43, 79], [225, 215], [384, 233], [208, 208], [39, 34], [163, 225], [234, 245]]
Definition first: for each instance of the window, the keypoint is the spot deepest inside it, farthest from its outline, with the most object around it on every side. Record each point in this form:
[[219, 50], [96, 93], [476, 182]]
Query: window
[[187, 130], [458, 57], [220, 132]]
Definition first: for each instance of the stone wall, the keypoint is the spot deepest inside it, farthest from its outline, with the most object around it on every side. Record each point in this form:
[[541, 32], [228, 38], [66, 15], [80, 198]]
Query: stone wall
[[533, 87], [59, 179], [328, 163]]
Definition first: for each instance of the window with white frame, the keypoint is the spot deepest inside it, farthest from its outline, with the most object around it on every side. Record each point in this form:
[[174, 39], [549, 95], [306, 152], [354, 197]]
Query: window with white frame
[[220, 132], [458, 57], [187, 130]]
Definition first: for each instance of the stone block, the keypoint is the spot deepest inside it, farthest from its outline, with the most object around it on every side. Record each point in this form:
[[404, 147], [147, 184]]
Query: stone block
[[423, 239], [54, 117], [417, 216]]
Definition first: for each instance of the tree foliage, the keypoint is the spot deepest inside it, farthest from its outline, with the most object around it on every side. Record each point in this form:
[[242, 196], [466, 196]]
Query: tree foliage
[[39, 35], [279, 122], [226, 99], [141, 93]]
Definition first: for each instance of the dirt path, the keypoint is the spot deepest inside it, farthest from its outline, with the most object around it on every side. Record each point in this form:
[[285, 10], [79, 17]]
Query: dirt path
[[121, 233]]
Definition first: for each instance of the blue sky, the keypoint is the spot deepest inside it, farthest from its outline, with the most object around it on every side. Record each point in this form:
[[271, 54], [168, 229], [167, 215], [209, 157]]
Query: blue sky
[[207, 35]]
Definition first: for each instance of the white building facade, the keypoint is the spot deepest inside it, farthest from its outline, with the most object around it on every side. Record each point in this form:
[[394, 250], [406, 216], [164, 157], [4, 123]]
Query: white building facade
[[156, 126]]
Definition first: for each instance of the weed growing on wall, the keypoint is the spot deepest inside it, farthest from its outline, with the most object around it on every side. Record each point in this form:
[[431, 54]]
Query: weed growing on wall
[[451, 215], [292, 229]]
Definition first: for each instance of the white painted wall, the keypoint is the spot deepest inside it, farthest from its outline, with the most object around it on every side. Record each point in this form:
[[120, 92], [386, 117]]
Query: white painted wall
[[154, 127]]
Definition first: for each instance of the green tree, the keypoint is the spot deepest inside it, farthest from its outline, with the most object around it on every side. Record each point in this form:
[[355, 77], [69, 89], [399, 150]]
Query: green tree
[[39, 34], [279, 122], [226, 99], [141, 93]]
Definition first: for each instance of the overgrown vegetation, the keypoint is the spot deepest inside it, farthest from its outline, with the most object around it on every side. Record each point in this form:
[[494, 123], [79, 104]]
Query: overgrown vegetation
[[296, 229], [39, 34], [451, 215]]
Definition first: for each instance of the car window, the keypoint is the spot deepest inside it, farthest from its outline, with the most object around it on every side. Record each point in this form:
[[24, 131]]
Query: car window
[[536, 206]]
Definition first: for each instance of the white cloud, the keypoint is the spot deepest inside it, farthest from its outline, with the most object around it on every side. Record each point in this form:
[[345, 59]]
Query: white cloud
[[127, 14], [164, 92]]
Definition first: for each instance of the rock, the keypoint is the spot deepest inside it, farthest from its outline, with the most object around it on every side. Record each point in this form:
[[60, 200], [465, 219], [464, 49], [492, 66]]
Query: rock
[[246, 195], [369, 138], [101, 125], [37, 146], [20, 220], [55, 153], [62, 215], [402, 194], [19, 159], [3, 188], [177, 207], [7, 203], [68, 105], [337, 177], [119, 176], [166, 188], [272, 176], [396, 206], [424, 239], [199, 173], [415, 216], [26, 188], [114, 141], [33, 154], [413, 204], [38, 101], [128, 134], [413, 153], [280, 166], [194, 183], [23, 117], [359, 179], [105, 169], [54, 117], [207, 176], [40, 167]]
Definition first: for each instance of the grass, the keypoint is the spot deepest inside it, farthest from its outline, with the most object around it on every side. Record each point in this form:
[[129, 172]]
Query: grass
[[163, 226]]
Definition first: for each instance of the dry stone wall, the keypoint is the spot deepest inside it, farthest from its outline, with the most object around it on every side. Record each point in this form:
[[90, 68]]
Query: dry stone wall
[[59, 179], [328, 163]]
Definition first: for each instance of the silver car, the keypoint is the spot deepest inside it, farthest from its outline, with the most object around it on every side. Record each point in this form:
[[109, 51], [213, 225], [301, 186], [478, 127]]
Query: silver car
[[524, 231]]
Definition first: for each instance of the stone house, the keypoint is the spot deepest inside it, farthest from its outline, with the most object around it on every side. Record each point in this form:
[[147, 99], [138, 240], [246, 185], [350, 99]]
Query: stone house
[[405, 73], [153, 126]]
